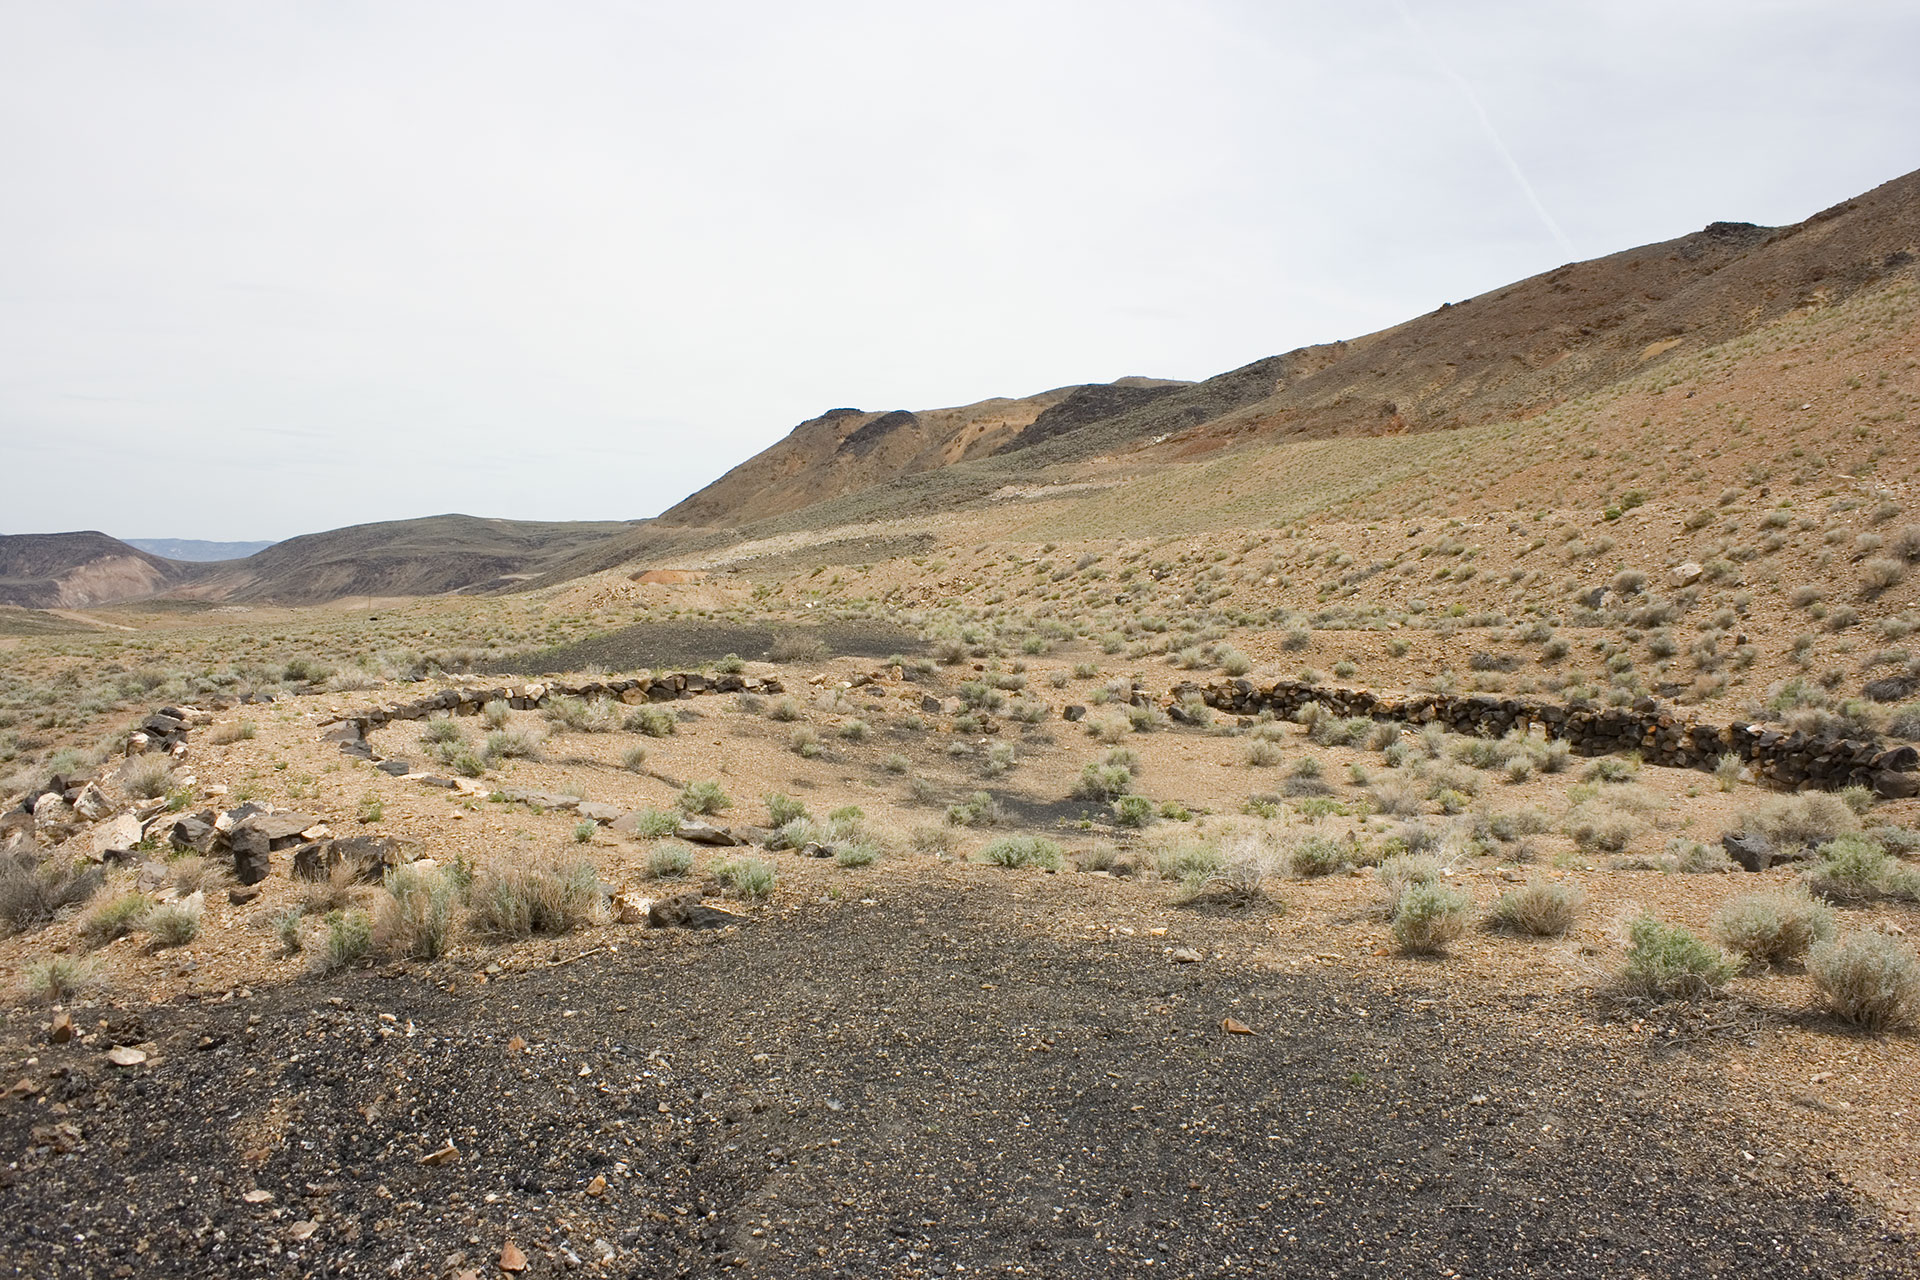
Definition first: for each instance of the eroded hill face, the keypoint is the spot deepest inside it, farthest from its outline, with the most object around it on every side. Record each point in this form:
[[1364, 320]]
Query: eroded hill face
[[77, 570], [1504, 356]]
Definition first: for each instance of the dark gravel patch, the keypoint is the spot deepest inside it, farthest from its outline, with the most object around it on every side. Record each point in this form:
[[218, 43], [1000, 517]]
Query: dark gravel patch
[[932, 1083], [647, 645]]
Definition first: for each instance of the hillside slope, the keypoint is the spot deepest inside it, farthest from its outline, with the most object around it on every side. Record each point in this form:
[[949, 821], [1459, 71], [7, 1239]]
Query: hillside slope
[[77, 570], [1502, 356], [847, 450], [429, 556]]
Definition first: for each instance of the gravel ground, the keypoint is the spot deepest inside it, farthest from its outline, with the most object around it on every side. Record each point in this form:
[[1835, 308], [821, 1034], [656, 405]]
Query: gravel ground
[[938, 1083]]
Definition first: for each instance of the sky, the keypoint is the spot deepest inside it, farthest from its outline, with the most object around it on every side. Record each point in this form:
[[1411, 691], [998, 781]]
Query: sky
[[268, 268]]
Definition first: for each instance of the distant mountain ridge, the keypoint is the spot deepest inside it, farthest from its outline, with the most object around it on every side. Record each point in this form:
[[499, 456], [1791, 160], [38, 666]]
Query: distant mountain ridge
[[195, 550]]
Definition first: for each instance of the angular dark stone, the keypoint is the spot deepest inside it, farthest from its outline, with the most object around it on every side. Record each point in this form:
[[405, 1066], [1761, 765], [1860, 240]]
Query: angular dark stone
[[251, 860], [1753, 852], [687, 912], [1074, 713], [395, 768]]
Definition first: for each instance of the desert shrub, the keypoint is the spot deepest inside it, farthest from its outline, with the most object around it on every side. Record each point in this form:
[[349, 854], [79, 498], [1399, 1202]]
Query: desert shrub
[[935, 841], [415, 917], [634, 758], [115, 918], [782, 809], [651, 824], [1318, 856], [1868, 979], [1800, 821], [1263, 754], [1430, 916], [1857, 798], [1232, 882], [287, 925], [655, 722], [230, 732], [1612, 769], [1596, 826], [856, 853], [1691, 857], [733, 664], [786, 711], [511, 744], [1399, 872], [583, 831], [1398, 794], [545, 899], [1726, 771], [1854, 868], [796, 646], [666, 861], [31, 892], [1665, 962], [147, 777], [1233, 662], [1880, 573], [1542, 909], [346, 938], [1187, 859], [978, 810], [56, 979], [1133, 811], [568, 713], [703, 797], [751, 879], [1022, 851], [854, 730], [172, 924], [1102, 782], [442, 731], [1146, 719], [496, 714], [1774, 926], [334, 890]]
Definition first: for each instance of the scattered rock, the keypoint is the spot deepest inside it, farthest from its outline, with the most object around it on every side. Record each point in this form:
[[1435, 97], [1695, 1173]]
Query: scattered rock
[[511, 1259], [241, 897], [258, 1196], [1753, 852], [1686, 574], [1074, 713], [694, 831], [394, 768], [122, 1055], [686, 911], [1185, 955], [114, 840], [442, 1155], [1235, 1027], [605, 813], [630, 908], [61, 1029], [92, 803]]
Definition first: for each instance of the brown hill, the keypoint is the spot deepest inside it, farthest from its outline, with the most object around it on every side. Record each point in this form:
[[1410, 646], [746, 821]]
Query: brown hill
[[1502, 356], [78, 570], [847, 450], [434, 555]]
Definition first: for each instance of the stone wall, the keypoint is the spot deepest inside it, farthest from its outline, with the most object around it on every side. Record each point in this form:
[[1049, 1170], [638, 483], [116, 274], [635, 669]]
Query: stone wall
[[351, 729], [1778, 757]]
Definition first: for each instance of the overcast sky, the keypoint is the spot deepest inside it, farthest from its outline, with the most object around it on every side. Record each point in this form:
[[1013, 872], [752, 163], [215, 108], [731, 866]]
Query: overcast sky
[[268, 268]]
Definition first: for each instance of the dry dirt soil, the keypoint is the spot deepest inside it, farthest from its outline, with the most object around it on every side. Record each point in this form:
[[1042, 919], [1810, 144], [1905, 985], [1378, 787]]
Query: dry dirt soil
[[950, 1075]]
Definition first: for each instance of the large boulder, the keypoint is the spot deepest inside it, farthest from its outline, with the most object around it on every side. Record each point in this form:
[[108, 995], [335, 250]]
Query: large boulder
[[1753, 852]]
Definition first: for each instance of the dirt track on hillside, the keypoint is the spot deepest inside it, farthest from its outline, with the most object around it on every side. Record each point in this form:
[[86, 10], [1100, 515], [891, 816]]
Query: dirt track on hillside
[[940, 1082]]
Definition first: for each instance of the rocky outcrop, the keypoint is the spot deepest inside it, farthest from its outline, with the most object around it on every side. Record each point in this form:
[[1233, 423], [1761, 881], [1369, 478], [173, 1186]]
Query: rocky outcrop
[[1789, 760]]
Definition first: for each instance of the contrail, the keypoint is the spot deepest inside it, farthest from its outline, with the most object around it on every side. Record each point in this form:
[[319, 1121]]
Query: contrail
[[1493, 134]]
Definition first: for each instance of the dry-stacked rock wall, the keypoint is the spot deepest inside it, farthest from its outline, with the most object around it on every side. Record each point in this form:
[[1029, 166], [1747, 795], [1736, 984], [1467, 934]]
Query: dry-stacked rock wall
[[1782, 758]]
